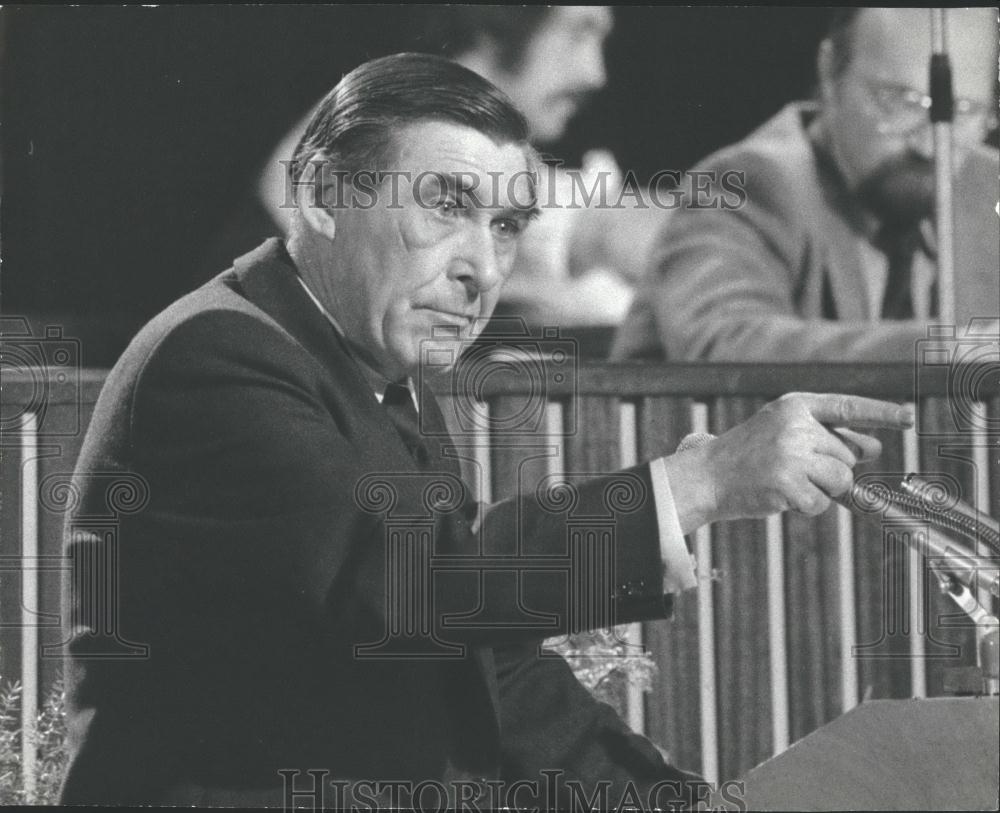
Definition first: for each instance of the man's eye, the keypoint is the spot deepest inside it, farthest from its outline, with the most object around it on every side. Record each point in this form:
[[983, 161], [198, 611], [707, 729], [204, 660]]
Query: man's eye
[[894, 98], [449, 206], [507, 227]]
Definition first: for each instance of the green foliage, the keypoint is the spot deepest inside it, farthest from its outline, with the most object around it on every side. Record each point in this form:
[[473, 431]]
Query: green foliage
[[606, 664], [50, 738]]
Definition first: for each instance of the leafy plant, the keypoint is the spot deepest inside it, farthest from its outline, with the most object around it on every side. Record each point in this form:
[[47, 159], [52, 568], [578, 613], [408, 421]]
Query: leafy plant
[[50, 750], [606, 664]]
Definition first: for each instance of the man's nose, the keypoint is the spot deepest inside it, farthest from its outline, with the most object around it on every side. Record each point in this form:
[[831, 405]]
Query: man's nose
[[921, 140], [476, 264]]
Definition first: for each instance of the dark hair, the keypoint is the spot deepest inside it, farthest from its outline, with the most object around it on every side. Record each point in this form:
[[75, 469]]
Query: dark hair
[[456, 29], [352, 126], [840, 32]]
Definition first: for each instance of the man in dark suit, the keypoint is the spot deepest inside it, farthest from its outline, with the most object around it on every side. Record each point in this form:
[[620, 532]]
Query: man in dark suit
[[308, 607]]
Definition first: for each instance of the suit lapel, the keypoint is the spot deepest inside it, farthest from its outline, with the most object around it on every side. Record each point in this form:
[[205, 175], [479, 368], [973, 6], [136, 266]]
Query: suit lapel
[[267, 277], [844, 269], [844, 282]]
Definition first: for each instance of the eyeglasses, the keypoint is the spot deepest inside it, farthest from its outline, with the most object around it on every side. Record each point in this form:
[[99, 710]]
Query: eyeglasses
[[903, 110]]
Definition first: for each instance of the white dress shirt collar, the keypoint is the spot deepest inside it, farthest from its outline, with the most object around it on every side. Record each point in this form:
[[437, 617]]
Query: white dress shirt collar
[[375, 379]]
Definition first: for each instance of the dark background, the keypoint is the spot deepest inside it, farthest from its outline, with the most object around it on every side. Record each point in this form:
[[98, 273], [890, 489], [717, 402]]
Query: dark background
[[132, 136]]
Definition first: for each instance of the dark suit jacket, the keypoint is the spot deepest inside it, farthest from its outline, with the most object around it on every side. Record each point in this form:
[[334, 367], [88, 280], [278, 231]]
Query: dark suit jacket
[[780, 277], [262, 553]]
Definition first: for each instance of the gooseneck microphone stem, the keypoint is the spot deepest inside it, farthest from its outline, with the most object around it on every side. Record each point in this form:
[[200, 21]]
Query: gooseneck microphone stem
[[958, 515], [942, 116], [922, 533]]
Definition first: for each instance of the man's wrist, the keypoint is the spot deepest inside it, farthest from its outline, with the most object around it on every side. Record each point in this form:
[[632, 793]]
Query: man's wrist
[[678, 567], [694, 488]]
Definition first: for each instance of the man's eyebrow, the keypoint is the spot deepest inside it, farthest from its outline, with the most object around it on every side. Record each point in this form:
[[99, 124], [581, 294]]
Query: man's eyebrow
[[521, 212], [457, 183], [467, 183]]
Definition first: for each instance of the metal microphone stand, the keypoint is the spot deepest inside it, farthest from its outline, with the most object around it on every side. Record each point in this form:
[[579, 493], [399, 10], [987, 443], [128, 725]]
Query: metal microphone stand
[[942, 114]]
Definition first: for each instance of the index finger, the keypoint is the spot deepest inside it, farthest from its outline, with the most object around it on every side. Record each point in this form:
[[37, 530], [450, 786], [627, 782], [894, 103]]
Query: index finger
[[857, 411]]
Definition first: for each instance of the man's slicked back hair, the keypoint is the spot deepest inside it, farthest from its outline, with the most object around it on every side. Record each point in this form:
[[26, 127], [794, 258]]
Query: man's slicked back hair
[[352, 127]]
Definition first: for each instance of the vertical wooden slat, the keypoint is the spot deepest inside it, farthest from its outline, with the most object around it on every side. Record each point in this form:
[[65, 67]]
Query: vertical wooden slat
[[593, 442], [848, 618], [917, 585], [708, 683], [635, 700], [628, 440], [777, 633], [813, 603], [483, 457], [29, 603], [981, 466]]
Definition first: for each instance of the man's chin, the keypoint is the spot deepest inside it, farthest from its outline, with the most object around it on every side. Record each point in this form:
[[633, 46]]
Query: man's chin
[[900, 197], [439, 355]]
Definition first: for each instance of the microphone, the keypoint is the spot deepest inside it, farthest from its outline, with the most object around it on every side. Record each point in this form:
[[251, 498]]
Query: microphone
[[946, 556], [960, 517], [957, 567]]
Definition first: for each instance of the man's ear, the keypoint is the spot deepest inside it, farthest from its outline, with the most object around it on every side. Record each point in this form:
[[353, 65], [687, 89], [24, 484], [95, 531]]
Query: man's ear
[[310, 199]]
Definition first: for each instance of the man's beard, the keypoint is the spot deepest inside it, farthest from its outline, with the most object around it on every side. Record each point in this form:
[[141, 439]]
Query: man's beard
[[900, 190]]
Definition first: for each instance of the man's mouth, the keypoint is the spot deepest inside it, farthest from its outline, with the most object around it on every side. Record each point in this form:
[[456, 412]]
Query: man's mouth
[[449, 316], [900, 190]]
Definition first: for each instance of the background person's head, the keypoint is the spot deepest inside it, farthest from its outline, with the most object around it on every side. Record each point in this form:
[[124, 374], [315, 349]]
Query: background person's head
[[873, 75], [547, 59], [416, 251]]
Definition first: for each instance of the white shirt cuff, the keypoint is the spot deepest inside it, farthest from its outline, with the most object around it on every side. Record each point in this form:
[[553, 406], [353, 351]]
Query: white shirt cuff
[[678, 563]]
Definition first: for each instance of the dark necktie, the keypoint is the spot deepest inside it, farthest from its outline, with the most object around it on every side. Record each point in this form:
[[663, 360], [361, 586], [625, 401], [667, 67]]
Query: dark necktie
[[899, 245], [398, 403]]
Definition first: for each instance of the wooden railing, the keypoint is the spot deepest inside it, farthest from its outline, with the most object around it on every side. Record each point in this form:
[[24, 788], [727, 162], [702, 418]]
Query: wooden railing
[[796, 619]]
